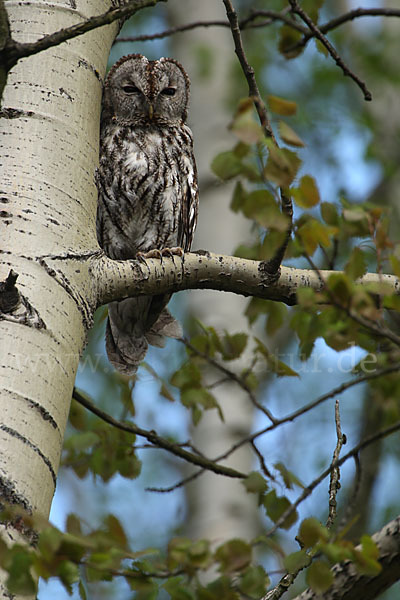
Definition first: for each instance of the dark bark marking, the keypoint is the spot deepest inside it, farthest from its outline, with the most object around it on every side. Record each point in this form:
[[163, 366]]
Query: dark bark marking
[[33, 447], [9, 494]]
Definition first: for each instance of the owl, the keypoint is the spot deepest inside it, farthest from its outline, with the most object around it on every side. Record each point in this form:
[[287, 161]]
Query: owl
[[147, 191]]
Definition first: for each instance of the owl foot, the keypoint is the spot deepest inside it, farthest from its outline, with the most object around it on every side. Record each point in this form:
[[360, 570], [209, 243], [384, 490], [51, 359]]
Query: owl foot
[[171, 252], [155, 253], [151, 254]]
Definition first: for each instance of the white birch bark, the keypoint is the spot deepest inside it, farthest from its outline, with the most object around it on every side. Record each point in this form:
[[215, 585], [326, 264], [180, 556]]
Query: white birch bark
[[49, 147]]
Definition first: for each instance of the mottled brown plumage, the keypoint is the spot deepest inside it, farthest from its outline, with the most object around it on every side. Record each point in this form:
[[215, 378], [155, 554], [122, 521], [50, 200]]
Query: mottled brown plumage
[[147, 186]]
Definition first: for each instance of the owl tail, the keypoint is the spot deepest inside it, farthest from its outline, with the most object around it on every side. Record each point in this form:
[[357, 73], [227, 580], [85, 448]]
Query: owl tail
[[132, 325]]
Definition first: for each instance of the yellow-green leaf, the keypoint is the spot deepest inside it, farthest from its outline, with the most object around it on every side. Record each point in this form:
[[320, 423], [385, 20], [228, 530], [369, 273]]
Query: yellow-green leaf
[[307, 194], [281, 106], [319, 577], [289, 136], [226, 165], [244, 125], [282, 165], [356, 265]]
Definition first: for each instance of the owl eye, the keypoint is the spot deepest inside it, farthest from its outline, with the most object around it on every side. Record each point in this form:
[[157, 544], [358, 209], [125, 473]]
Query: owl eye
[[169, 91], [131, 89]]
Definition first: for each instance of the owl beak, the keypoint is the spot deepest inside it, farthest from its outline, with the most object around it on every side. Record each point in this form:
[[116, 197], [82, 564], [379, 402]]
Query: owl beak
[[151, 111]]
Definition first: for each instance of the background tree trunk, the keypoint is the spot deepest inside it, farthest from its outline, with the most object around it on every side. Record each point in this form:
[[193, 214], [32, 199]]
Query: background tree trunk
[[218, 509]]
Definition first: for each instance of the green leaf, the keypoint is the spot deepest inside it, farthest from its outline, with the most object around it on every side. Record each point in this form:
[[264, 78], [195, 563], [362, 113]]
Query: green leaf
[[82, 591], [261, 206], [178, 589], [219, 589], [329, 213], [233, 556], [82, 441], [367, 560], [289, 136], [281, 106], [288, 477], [356, 265], [116, 531], [233, 345], [311, 531], [289, 37], [68, 572], [73, 524], [296, 561], [18, 565], [319, 577], [277, 366], [312, 234], [199, 554], [395, 263], [255, 483], [187, 376], [276, 506], [239, 197], [253, 582], [226, 165]]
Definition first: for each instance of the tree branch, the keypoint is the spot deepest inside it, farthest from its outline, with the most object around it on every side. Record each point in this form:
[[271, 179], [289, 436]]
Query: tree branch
[[301, 411], [246, 23], [13, 51], [248, 70], [118, 279], [271, 17], [334, 465], [158, 441], [296, 9], [334, 484], [351, 584]]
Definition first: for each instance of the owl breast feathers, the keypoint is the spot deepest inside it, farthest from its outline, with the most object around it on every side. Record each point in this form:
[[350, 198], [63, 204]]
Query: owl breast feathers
[[147, 190]]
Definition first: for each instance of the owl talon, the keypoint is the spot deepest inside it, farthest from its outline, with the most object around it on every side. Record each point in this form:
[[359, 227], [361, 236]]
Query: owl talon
[[150, 254], [171, 252]]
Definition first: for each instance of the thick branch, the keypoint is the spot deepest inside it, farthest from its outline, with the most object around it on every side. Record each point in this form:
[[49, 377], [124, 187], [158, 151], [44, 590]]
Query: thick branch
[[349, 584], [116, 280]]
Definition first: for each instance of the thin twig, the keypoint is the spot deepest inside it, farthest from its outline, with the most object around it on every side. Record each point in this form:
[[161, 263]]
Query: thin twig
[[177, 485], [334, 483], [338, 60], [231, 376], [272, 17], [263, 466], [248, 70], [310, 488], [157, 440], [301, 411], [246, 23]]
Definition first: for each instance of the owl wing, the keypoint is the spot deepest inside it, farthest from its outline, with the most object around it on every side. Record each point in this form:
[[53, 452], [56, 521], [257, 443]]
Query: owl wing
[[190, 202]]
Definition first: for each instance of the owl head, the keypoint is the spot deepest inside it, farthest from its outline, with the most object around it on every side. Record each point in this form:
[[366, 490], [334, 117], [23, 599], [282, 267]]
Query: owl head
[[142, 91]]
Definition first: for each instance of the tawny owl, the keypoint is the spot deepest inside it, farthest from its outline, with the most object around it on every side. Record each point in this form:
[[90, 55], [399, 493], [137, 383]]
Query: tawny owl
[[147, 186]]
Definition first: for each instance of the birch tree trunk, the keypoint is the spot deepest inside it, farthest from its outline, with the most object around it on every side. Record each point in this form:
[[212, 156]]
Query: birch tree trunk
[[49, 144]]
